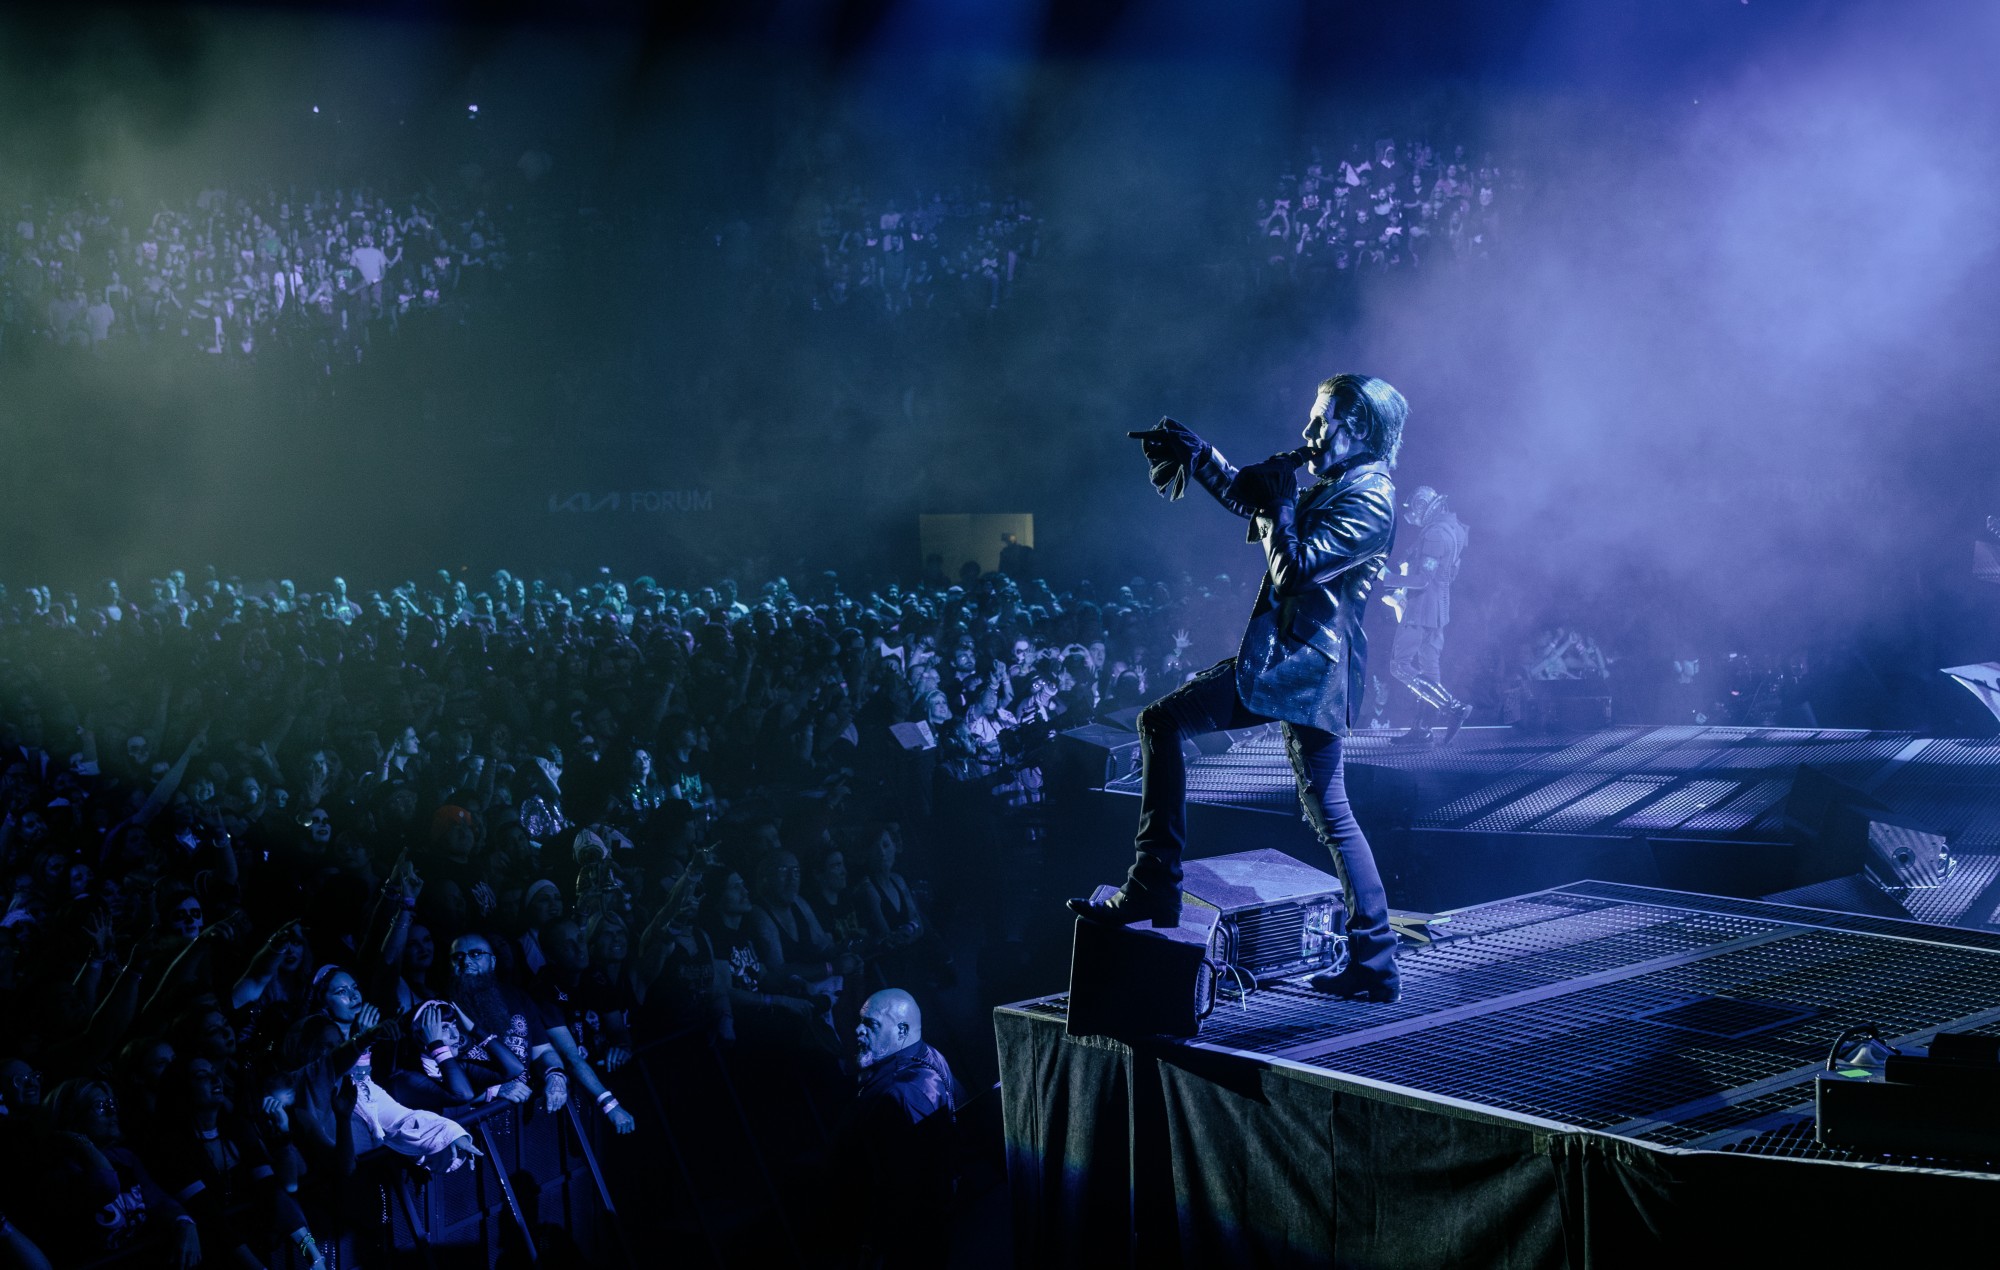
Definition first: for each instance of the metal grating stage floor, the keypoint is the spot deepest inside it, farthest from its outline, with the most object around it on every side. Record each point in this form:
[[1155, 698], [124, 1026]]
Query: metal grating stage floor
[[1678, 1020], [1679, 783], [1701, 781]]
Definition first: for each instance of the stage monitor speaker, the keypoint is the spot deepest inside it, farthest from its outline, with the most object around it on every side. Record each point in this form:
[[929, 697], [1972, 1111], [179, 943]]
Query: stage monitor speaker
[[1841, 829], [1279, 917], [1815, 802], [1229, 738], [1261, 914], [1095, 755], [1129, 982], [1943, 1102], [1880, 1116], [1126, 719], [1903, 857]]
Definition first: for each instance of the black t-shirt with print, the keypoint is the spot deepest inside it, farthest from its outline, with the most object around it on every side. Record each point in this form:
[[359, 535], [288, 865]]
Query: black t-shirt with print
[[523, 1031], [746, 970], [571, 1007]]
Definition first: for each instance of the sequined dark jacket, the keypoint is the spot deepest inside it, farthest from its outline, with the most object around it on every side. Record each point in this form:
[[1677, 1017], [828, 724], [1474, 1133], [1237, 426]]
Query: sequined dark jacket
[[1304, 655]]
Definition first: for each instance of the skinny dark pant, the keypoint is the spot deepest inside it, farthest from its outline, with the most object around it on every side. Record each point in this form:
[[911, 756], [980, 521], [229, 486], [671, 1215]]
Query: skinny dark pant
[[1209, 703]]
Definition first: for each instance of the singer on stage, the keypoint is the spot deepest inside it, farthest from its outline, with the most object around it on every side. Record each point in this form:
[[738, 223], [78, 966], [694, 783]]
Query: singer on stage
[[1301, 661]]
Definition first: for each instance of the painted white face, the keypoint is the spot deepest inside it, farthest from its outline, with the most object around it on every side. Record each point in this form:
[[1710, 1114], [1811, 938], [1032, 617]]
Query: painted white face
[[1331, 436]]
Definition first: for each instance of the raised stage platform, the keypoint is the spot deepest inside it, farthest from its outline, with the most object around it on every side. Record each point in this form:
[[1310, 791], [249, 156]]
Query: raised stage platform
[[1594, 1074], [1500, 811]]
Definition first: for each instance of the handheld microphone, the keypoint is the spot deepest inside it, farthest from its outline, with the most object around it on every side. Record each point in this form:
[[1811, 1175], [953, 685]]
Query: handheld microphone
[[1260, 484]]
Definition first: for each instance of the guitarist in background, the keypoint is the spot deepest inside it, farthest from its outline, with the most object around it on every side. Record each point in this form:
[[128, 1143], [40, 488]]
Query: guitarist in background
[[1423, 594]]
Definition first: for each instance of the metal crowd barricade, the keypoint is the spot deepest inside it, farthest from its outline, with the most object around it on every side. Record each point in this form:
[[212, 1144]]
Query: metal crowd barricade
[[724, 1173], [543, 1172], [691, 1101], [540, 1172]]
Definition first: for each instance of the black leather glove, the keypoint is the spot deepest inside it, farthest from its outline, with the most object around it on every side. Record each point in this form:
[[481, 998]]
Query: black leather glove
[[1171, 449], [1269, 485]]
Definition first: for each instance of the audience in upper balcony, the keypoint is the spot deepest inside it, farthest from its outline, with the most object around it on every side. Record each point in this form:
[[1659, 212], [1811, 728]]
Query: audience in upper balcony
[[1390, 206], [229, 272]]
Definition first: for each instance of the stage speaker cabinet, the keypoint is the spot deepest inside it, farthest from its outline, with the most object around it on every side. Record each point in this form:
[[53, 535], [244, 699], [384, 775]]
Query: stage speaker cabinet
[[1845, 829], [1944, 1102], [1901, 857], [1129, 982], [1256, 915], [1279, 918], [1855, 1114], [1228, 739], [1827, 820], [1096, 754], [1819, 806]]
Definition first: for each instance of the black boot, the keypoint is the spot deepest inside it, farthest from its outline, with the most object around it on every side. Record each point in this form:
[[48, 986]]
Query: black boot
[[1454, 718], [1369, 972], [1159, 905], [1358, 983]]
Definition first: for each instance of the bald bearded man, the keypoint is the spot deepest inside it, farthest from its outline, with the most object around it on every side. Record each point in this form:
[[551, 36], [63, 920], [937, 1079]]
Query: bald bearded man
[[897, 1144]]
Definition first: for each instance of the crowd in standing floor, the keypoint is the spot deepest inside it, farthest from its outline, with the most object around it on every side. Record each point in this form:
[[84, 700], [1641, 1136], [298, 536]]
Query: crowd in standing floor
[[296, 874]]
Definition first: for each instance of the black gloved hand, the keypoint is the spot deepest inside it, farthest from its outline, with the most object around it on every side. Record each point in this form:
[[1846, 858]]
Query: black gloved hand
[[1269, 485], [1170, 448]]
